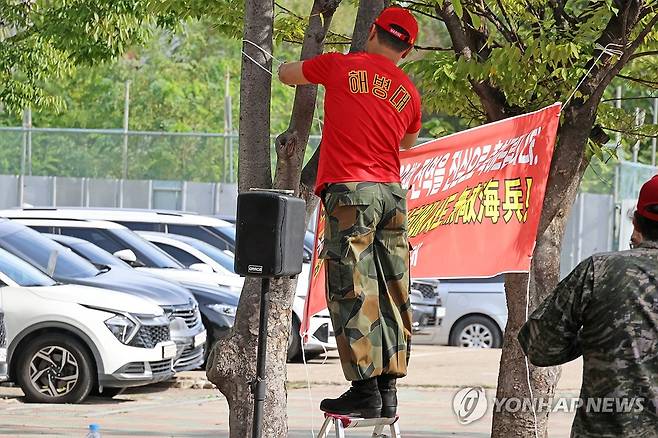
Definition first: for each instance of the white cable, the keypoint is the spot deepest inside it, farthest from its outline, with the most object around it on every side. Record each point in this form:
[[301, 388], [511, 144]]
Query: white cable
[[265, 52], [308, 383], [607, 50], [527, 365], [257, 63]]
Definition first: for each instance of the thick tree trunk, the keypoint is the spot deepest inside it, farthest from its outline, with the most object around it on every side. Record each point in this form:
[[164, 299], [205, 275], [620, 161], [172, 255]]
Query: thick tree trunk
[[514, 375], [232, 363]]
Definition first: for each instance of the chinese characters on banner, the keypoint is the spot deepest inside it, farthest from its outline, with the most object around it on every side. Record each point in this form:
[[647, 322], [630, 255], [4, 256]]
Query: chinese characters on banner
[[474, 201]]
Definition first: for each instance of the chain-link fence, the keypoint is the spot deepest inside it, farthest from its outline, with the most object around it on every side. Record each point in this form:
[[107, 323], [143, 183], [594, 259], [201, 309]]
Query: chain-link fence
[[109, 153]]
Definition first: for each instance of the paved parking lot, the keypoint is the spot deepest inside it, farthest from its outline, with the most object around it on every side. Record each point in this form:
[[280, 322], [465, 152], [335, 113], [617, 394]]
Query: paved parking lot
[[181, 411]]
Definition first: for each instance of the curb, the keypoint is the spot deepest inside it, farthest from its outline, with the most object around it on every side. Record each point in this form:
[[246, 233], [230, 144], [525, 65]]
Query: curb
[[190, 383]]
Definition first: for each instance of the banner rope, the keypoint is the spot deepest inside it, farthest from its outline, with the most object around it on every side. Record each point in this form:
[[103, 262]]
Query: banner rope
[[607, 50], [264, 52], [527, 365]]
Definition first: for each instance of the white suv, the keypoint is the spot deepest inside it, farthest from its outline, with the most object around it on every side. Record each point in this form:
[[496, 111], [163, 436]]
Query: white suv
[[3, 345], [65, 341]]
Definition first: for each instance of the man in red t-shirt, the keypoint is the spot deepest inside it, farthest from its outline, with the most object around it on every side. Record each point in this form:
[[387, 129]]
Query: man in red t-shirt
[[371, 110]]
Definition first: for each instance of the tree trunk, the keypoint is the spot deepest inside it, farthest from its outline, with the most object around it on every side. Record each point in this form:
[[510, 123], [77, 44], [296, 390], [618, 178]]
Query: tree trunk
[[513, 375], [232, 362]]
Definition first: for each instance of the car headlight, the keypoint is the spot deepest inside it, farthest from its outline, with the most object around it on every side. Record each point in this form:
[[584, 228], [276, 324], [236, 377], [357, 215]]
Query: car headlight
[[223, 309], [122, 327]]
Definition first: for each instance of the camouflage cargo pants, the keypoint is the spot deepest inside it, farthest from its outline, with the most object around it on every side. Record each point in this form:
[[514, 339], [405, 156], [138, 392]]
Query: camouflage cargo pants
[[366, 253]]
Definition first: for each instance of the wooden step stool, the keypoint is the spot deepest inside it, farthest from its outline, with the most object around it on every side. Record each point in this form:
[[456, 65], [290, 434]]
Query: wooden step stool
[[341, 422]]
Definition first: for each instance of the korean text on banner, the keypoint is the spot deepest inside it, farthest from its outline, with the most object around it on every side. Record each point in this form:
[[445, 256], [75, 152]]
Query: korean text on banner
[[474, 200]]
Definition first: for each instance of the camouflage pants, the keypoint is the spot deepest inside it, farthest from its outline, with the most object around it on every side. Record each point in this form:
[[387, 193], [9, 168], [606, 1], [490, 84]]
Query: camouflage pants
[[366, 253]]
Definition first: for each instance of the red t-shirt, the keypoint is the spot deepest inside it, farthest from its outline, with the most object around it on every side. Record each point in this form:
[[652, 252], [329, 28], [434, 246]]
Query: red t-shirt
[[369, 105]]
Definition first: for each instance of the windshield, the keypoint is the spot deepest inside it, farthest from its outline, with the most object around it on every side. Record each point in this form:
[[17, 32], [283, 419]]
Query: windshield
[[216, 254], [39, 250], [228, 232], [97, 255], [22, 272], [146, 252]]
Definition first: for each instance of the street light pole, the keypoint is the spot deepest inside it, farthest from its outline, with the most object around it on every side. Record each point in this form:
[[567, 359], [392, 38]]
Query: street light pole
[[126, 115]]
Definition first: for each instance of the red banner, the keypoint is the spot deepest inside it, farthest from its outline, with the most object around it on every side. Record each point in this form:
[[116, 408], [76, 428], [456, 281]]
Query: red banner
[[474, 201]]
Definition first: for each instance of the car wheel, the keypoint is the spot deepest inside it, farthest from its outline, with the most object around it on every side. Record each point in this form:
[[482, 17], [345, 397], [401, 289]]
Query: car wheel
[[294, 341], [55, 369], [476, 332]]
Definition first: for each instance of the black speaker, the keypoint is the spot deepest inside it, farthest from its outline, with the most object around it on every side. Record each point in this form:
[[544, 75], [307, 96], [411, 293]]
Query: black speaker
[[269, 239]]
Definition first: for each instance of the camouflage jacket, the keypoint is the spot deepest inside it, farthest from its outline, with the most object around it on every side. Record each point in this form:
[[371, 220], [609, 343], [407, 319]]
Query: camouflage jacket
[[607, 311]]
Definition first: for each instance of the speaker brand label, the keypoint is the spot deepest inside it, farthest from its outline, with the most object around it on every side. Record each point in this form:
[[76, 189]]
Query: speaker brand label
[[258, 269]]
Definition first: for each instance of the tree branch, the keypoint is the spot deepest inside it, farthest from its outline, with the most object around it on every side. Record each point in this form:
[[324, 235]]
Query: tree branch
[[641, 54], [634, 134], [434, 48], [491, 98], [628, 51], [427, 14], [653, 84]]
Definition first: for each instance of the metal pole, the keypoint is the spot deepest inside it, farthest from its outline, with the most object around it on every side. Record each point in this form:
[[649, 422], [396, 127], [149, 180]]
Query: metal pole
[[21, 179], [259, 386], [653, 140], [126, 115], [227, 111], [639, 121], [620, 150], [29, 140]]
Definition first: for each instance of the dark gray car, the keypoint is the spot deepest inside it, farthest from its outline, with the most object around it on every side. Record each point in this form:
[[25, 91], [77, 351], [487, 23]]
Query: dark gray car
[[66, 267]]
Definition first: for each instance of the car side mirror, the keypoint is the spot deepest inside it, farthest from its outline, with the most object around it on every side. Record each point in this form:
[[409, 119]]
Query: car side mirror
[[201, 267], [128, 256]]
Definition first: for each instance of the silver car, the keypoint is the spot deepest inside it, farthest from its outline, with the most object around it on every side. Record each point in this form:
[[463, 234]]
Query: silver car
[[475, 314]]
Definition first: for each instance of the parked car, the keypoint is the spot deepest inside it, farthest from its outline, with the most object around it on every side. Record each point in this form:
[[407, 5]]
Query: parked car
[[217, 305], [66, 341], [213, 231], [476, 312], [189, 250], [3, 345], [217, 232], [66, 267], [137, 252]]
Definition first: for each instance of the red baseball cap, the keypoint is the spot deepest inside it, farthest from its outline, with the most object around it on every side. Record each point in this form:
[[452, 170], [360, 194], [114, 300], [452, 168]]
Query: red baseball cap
[[647, 203], [399, 17]]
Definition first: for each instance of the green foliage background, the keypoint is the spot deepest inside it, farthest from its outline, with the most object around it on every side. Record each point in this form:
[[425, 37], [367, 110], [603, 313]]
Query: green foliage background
[[71, 66]]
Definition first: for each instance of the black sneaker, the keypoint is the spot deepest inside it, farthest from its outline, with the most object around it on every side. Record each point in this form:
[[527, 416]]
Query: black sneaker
[[388, 392], [362, 400]]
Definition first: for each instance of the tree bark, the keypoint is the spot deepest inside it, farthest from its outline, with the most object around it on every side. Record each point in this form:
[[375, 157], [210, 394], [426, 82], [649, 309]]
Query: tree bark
[[232, 362], [513, 376]]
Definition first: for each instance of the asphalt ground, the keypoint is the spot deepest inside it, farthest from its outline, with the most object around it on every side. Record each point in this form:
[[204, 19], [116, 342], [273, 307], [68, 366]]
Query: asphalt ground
[[185, 409]]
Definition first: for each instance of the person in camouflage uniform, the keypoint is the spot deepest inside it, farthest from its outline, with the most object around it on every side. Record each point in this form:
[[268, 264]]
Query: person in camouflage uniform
[[371, 109], [606, 310], [366, 254]]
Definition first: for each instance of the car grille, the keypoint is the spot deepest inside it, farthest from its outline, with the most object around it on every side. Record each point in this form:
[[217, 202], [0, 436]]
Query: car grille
[[133, 368], [427, 290], [161, 368], [3, 332], [189, 313], [148, 336], [190, 359]]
